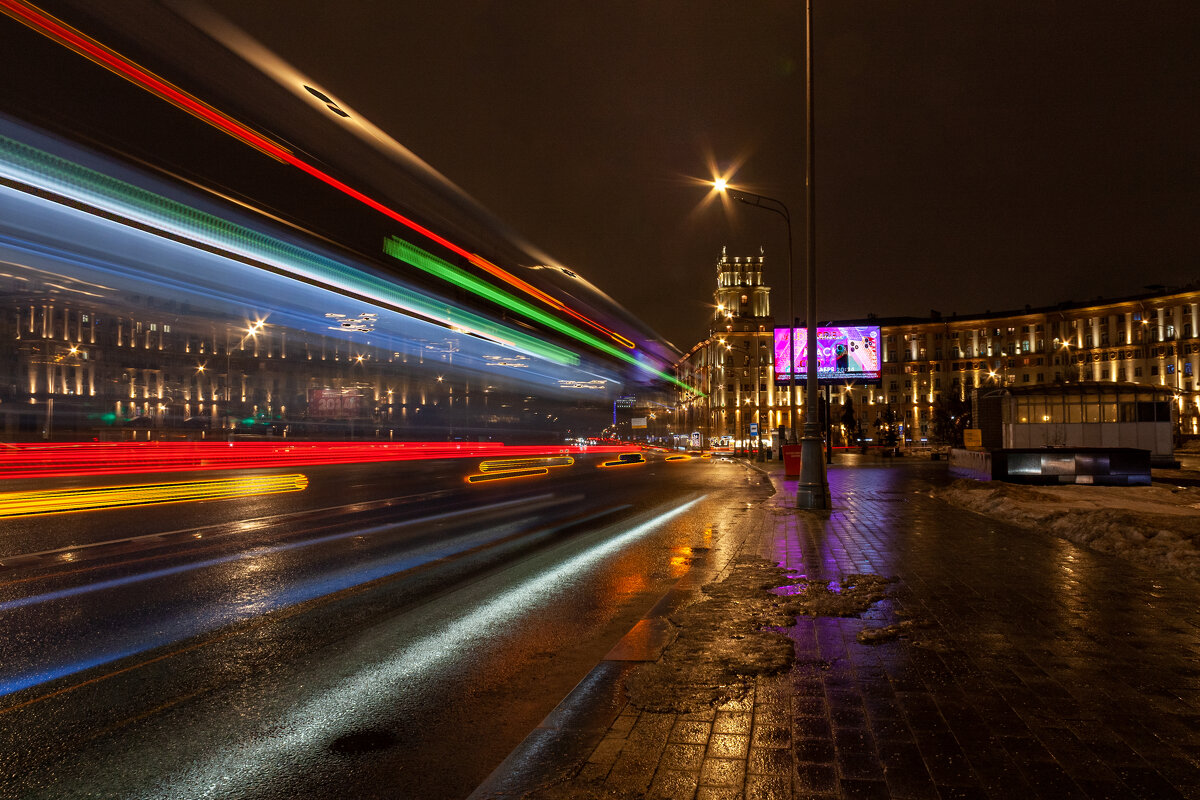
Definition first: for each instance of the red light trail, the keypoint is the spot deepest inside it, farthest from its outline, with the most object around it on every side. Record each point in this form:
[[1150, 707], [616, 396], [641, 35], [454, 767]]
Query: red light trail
[[38, 20], [127, 458]]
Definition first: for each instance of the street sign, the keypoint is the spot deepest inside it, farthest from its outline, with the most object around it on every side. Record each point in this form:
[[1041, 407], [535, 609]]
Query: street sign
[[753, 430]]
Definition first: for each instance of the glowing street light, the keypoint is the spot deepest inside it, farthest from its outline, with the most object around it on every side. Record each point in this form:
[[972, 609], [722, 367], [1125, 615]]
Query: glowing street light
[[812, 490]]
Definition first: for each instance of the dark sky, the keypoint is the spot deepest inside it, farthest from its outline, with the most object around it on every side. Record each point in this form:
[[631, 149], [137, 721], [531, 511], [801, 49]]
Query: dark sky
[[972, 155]]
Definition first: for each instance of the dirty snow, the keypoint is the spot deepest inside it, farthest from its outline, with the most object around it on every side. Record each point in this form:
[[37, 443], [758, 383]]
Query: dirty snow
[[733, 634], [1156, 526], [720, 643]]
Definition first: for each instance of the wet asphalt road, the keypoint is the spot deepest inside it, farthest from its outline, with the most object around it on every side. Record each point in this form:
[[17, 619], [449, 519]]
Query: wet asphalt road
[[389, 632]]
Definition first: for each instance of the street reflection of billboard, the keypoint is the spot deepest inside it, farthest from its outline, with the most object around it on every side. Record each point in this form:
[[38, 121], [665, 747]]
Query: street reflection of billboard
[[844, 353], [335, 404]]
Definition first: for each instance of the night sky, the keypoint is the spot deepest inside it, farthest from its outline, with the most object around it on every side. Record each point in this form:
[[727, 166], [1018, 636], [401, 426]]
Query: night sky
[[972, 155]]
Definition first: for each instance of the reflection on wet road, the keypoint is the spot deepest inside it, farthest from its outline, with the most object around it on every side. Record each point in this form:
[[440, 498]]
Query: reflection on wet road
[[310, 646]]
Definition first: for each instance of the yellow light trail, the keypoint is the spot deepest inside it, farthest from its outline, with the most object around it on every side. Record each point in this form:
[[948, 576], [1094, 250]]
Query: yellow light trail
[[506, 464], [625, 460], [99, 498], [498, 469], [504, 476]]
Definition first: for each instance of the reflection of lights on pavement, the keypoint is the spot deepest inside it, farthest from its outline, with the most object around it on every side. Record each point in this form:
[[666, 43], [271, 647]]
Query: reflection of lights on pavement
[[371, 689], [299, 593], [59, 501]]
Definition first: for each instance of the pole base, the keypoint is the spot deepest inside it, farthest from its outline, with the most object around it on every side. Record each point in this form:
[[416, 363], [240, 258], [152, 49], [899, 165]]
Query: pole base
[[812, 489]]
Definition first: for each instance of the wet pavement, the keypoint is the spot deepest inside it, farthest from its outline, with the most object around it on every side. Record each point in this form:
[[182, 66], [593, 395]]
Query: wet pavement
[[398, 645], [1007, 664]]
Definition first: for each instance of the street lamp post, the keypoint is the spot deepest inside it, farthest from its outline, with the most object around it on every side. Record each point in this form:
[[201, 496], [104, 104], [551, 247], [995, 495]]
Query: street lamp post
[[762, 201], [812, 490]]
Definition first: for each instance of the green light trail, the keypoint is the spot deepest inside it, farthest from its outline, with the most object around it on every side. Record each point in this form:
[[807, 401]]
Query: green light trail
[[411, 254]]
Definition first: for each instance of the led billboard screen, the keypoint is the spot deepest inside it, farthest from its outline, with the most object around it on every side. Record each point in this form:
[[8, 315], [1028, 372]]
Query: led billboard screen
[[844, 353]]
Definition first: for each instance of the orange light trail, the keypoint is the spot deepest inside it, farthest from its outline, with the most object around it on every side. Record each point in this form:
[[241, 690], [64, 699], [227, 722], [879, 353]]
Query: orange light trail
[[503, 468], [38, 20], [553, 302], [99, 498], [625, 460], [507, 464], [504, 476]]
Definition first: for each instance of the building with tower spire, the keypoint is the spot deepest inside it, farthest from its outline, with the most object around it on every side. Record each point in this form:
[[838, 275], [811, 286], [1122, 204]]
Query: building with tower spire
[[732, 366], [741, 292], [1107, 361]]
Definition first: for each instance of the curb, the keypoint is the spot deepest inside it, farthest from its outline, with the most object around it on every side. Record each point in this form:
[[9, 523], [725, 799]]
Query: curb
[[570, 732]]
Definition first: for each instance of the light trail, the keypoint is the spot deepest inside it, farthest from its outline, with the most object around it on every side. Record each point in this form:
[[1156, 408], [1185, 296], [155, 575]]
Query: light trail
[[57, 30], [528, 472], [128, 458], [506, 464], [28, 165], [506, 468], [411, 254], [101, 498], [553, 302], [625, 460]]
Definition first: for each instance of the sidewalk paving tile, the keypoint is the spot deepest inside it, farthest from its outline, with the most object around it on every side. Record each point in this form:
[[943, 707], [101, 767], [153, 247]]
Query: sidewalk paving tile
[[1034, 668]]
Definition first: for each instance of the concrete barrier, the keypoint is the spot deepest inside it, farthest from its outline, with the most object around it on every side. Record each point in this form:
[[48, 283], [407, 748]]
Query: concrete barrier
[[975, 464]]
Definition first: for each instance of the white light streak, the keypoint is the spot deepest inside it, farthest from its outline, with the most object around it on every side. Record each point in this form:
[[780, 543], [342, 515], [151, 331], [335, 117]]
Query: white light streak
[[304, 732]]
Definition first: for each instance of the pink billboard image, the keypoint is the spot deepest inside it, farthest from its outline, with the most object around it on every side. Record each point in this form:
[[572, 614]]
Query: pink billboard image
[[844, 353]]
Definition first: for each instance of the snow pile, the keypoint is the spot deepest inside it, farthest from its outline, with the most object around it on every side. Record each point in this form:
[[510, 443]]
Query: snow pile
[[848, 597], [1155, 526]]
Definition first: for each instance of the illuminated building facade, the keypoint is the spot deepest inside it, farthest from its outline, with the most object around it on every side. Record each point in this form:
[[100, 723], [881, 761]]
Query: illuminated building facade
[[1147, 340], [732, 365], [150, 368], [932, 366]]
